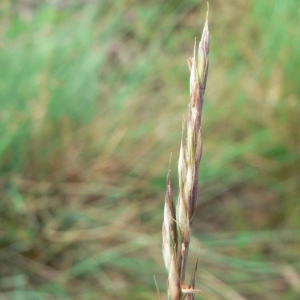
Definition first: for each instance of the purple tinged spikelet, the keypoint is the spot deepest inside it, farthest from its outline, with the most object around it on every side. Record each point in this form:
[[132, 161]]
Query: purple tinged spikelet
[[174, 285], [169, 226]]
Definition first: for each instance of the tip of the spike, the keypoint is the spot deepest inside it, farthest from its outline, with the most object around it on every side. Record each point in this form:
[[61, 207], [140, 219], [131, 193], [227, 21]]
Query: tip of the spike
[[207, 12], [170, 160]]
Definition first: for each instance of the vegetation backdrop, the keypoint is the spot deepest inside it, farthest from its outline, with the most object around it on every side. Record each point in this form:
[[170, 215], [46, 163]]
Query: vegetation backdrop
[[92, 97]]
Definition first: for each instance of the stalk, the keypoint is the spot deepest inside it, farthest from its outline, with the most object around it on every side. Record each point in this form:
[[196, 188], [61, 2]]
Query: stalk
[[178, 216]]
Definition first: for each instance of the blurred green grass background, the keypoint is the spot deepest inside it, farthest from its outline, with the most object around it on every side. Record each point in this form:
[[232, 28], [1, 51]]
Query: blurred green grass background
[[92, 96]]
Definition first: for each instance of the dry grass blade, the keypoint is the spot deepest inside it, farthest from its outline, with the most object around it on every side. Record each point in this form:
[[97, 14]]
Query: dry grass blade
[[178, 218], [227, 292]]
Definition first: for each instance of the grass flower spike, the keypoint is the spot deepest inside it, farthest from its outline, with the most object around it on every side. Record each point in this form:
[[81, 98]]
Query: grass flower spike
[[178, 217]]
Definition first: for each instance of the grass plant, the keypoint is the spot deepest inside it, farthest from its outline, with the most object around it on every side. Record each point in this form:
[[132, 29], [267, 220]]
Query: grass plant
[[84, 145], [178, 217]]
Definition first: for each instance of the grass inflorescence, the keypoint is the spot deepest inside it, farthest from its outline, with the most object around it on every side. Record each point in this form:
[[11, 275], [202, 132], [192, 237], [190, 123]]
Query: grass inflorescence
[[84, 143], [178, 217]]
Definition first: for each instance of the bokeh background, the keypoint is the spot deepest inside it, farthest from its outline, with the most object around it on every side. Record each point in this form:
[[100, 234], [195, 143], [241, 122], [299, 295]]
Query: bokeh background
[[92, 97]]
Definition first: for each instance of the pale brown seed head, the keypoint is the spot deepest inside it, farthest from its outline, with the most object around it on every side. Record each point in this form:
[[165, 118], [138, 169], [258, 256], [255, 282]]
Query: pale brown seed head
[[178, 220]]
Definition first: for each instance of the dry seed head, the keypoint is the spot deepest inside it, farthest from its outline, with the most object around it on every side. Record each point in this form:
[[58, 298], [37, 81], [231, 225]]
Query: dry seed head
[[177, 222]]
